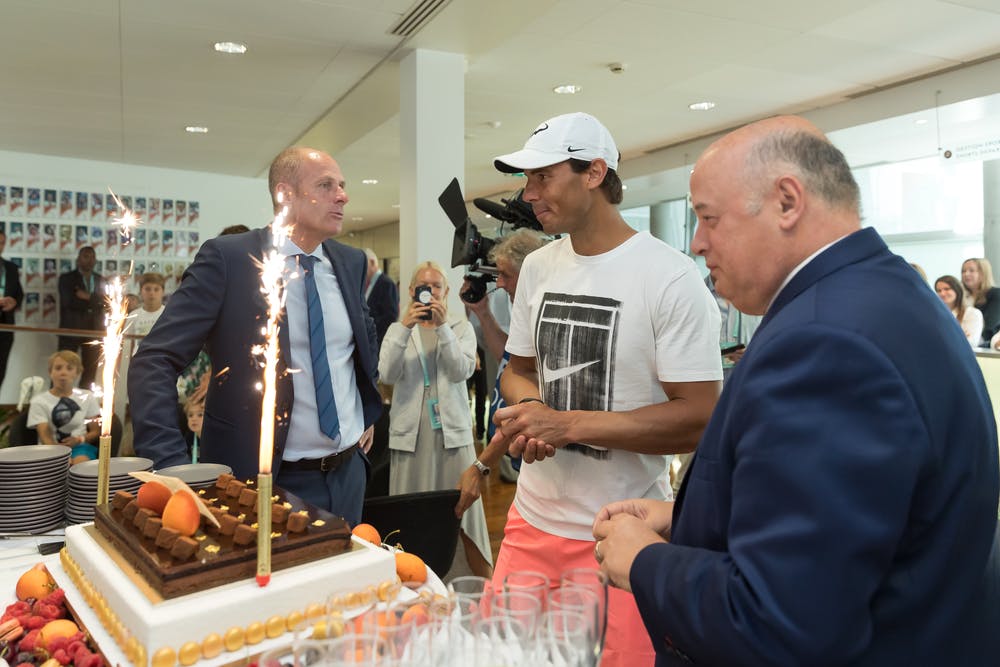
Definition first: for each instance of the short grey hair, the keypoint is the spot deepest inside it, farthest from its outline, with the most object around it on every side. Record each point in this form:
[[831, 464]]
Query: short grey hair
[[370, 254], [821, 166], [515, 247]]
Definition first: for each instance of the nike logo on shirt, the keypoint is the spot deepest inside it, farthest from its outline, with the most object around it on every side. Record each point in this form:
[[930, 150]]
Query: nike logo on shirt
[[552, 374]]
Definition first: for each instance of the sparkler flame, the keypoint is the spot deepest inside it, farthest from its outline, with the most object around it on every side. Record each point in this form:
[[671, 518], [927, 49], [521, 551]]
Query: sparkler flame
[[115, 319], [272, 281]]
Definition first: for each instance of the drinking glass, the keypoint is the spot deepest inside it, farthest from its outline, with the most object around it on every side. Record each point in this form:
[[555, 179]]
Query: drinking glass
[[526, 581], [583, 601], [564, 640], [355, 649], [596, 581], [471, 591], [501, 641], [523, 607]]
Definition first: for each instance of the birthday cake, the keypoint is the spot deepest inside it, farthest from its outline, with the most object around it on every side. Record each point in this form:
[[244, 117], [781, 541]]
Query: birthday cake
[[167, 599]]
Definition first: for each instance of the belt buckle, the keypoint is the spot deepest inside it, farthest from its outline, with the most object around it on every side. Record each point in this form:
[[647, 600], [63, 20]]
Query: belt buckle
[[325, 463]]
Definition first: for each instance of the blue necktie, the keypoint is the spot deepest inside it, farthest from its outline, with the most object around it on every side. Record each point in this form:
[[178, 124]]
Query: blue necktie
[[326, 406]]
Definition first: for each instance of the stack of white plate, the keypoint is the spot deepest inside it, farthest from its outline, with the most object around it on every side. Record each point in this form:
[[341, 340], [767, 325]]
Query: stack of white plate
[[83, 484], [197, 475], [32, 488]]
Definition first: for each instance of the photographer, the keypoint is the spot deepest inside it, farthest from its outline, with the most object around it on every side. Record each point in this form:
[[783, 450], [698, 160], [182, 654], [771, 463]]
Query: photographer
[[507, 256], [428, 358]]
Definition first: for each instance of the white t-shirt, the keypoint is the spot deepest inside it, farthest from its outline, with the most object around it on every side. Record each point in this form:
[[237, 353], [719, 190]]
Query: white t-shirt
[[605, 331], [143, 320], [65, 416]]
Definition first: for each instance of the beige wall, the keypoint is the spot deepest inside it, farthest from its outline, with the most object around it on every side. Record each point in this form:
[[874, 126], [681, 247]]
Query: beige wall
[[383, 240]]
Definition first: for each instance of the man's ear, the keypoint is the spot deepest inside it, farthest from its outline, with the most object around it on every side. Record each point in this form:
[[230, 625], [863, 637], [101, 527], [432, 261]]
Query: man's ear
[[791, 199], [595, 173], [284, 193]]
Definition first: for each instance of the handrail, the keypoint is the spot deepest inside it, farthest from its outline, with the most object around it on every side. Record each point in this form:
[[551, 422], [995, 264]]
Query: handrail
[[79, 333]]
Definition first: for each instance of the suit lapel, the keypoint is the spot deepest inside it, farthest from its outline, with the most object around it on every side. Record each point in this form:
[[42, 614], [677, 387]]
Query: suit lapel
[[848, 250]]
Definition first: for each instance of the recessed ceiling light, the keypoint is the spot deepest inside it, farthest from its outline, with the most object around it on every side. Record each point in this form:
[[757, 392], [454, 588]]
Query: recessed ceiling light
[[701, 106], [357, 218], [920, 121], [370, 181], [395, 205], [567, 89], [196, 129], [230, 47], [493, 123]]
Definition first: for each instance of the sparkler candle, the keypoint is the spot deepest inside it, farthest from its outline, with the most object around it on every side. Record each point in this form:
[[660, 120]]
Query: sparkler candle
[[273, 287], [112, 347]]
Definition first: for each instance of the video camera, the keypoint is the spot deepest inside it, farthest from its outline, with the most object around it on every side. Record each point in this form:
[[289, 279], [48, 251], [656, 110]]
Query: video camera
[[472, 248]]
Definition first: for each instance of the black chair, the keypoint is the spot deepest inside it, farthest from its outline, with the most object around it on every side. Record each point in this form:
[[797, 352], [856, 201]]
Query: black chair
[[18, 433], [426, 523]]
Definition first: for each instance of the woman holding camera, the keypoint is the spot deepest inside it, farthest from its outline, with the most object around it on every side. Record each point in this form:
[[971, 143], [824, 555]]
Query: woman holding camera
[[428, 359]]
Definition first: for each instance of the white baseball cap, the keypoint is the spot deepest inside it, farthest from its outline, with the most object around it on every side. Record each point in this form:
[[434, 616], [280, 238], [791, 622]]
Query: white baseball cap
[[572, 135]]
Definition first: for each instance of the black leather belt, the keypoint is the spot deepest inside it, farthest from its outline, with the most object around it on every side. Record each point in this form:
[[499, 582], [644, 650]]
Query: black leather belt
[[325, 464]]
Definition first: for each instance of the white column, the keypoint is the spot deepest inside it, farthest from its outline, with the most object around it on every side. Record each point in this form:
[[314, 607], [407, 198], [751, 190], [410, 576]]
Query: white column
[[991, 213], [432, 152]]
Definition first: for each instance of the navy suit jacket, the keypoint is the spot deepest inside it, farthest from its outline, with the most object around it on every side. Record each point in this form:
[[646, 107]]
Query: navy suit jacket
[[841, 508], [219, 305], [12, 288], [383, 303]]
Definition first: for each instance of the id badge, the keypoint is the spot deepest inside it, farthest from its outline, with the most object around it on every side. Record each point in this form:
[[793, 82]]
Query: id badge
[[434, 413]]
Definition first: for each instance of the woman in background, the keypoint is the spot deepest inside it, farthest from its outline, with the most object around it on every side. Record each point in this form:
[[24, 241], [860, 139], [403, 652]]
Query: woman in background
[[977, 277], [428, 359], [950, 291]]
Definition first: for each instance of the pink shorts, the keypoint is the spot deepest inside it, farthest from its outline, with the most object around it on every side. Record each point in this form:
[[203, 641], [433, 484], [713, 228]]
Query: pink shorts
[[525, 547]]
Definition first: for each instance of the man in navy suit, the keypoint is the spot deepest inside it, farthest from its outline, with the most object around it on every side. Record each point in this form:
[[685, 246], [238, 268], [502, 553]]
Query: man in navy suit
[[219, 305], [381, 295], [842, 503]]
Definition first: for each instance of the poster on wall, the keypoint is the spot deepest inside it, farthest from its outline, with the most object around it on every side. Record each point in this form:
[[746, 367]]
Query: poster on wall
[[193, 242], [34, 241], [194, 210], [153, 215], [168, 242], [32, 272], [96, 205], [50, 315], [65, 238], [32, 308], [15, 203], [168, 211], [82, 236], [49, 273], [82, 206], [34, 201], [65, 265], [97, 238], [139, 241], [66, 204], [110, 208], [140, 208], [49, 203], [180, 211], [15, 236]]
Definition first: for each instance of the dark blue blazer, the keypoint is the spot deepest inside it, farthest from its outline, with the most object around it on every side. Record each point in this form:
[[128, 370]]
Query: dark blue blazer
[[219, 305], [841, 508], [383, 304]]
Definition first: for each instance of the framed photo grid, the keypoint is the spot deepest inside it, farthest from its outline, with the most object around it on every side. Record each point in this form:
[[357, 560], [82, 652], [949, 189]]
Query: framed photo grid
[[47, 226]]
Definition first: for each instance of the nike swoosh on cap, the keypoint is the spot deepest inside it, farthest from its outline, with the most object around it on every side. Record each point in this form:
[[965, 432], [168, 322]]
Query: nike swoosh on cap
[[544, 127], [570, 149], [552, 374]]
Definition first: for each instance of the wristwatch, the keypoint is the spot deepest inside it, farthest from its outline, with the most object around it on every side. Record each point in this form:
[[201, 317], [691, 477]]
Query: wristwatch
[[481, 467]]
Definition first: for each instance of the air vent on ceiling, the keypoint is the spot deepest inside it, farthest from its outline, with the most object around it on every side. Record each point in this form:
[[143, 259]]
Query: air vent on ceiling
[[418, 16]]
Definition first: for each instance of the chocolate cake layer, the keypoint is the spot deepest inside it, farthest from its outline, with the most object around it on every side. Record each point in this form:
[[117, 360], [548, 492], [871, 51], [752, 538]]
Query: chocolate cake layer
[[218, 559]]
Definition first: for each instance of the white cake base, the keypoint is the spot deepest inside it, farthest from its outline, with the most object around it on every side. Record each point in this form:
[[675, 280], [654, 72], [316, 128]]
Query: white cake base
[[241, 614]]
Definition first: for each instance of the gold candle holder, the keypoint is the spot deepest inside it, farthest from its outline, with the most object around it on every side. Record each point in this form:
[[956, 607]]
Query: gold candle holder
[[103, 469], [263, 528]]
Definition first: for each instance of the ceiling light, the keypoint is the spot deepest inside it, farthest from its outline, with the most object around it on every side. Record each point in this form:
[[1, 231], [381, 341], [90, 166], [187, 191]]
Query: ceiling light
[[230, 47], [920, 121], [701, 106], [567, 89], [493, 123], [196, 129], [370, 181], [357, 218], [395, 205]]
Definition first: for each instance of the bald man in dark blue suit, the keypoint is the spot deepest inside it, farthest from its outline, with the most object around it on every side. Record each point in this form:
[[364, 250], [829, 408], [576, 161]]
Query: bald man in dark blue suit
[[841, 507], [219, 305]]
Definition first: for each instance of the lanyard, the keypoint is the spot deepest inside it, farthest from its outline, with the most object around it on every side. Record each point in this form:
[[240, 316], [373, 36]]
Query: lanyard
[[3, 277], [419, 343], [90, 283]]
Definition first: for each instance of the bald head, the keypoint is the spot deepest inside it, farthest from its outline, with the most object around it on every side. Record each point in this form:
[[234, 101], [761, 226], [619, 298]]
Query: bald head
[[287, 168], [767, 197]]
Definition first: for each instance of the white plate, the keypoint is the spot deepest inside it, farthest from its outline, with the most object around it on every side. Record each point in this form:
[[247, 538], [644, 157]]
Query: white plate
[[117, 465], [197, 473], [16, 456]]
